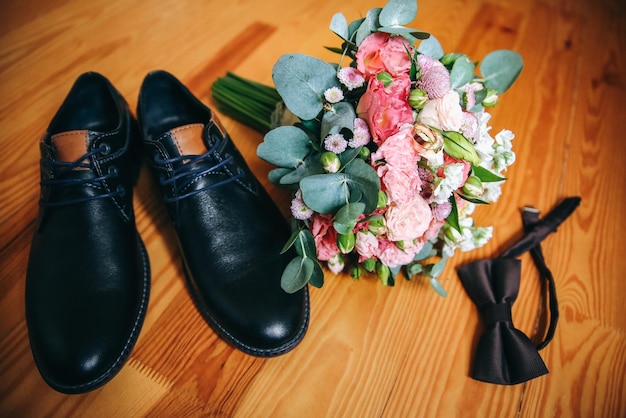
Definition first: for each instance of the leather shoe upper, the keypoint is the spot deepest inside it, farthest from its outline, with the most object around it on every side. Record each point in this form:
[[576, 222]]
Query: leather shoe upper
[[229, 230], [87, 281]]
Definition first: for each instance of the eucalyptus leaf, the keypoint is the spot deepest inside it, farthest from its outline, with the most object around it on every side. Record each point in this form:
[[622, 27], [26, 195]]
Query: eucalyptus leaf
[[290, 241], [285, 146], [277, 174], [353, 27], [501, 68], [411, 35], [325, 193], [414, 269], [437, 287], [363, 178], [341, 116], [462, 72], [438, 267], [431, 47], [343, 229], [301, 81], [305, 244], [317, 278], [393, 272], [339, 25], [369, 25], [398, 12], [348, 155], [297, 274], [427, 251], [309, 167], [349, 213]]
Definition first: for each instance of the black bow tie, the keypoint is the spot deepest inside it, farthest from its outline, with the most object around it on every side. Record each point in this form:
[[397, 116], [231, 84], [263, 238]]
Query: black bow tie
[[505, 355]]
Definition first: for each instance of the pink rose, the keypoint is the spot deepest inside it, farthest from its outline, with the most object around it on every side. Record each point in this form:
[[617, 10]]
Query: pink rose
[[385, 108], [433, 229], [382, 52], [401, 185], [366, 245], [408, 221], [399, 150], [398, 156], [325, 236], [391, 255]]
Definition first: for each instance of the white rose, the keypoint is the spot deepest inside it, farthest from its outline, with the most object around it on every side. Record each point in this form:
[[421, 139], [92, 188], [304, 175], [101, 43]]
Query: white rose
[[428, 115], [444, 113], [450, 112]]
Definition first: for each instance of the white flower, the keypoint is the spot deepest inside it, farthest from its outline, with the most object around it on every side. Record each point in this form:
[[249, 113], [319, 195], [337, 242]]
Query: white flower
[[470, 237], [445, 186], [333, 95], [504, 155], [444, 113], [492, 191], [336, 264], [483, 140]]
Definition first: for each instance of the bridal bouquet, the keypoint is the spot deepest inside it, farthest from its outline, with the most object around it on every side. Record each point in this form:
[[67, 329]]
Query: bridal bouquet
[[387, 152]]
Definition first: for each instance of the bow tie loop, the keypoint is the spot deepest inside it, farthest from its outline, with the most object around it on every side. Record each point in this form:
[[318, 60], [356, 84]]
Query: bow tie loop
[[494, 313]]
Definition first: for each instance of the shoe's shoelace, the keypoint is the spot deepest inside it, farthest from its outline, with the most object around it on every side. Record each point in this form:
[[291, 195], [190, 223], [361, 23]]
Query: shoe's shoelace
[[61, 168], [188, 174]]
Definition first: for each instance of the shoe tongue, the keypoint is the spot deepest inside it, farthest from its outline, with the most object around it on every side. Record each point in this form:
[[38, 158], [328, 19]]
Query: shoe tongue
[[70, 146], [189, 139]]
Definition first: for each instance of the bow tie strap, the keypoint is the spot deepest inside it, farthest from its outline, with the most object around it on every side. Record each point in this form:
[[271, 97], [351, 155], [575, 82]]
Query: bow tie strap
[[530, 217], [540, 229]]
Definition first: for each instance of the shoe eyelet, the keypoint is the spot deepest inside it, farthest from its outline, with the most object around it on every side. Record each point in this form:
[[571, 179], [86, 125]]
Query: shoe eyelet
[[121, 190], [113, 171], [106, 149]]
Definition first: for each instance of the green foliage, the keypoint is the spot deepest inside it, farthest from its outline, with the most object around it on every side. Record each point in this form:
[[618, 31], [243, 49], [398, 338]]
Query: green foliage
[[458, 146], [301, 81], [462, 72], [431, 47], [485, 175], [304, 268], [501, 68], [326, 193], [285, 146]]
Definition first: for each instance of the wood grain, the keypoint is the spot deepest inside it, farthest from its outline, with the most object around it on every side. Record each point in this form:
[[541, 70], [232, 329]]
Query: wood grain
[[371, 351]]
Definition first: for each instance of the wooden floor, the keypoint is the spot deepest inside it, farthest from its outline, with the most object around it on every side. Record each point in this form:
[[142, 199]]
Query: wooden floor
[[370, 350]]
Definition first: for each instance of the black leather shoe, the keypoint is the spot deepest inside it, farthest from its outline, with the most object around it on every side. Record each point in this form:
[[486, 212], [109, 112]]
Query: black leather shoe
[[229, 230], [88, 274]]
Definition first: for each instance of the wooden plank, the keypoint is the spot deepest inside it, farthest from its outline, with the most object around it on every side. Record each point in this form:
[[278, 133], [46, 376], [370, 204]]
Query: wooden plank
[[370, 350]]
